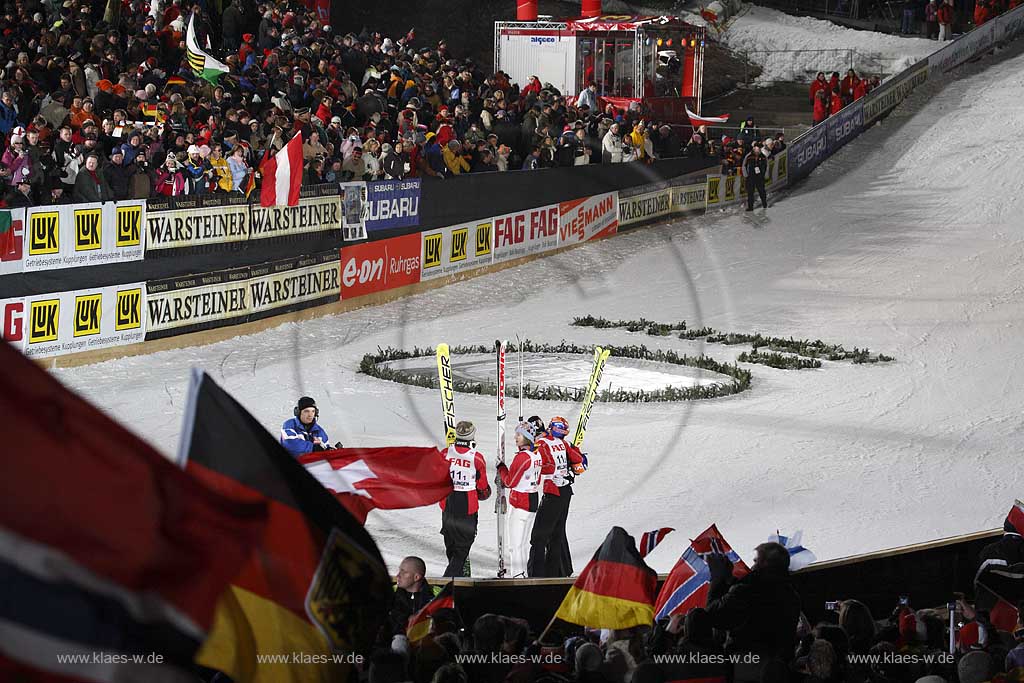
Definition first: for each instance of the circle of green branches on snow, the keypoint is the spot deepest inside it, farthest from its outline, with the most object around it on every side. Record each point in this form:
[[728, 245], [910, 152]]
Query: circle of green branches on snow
[[786, 354], [372, 364]]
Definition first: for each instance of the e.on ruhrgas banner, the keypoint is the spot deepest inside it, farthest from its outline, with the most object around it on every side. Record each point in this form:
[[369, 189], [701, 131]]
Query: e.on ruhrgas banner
[[525, 233], [378, 266], [590, 218]]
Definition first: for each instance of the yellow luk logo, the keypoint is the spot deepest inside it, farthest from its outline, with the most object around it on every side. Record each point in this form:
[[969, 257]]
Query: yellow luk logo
[[713, 190], [782, 166], [128, 312], [44, 233], [87, 314], [730, 189], [88, 224], [460, 240], [129, 229], [483, 239], [43, 319], [432, 250]]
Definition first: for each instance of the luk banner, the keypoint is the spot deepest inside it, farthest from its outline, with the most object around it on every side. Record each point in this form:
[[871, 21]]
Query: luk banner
[[47, 325], [392, 204], [807, 151], [12, 240], [525, 233], [194, 223], [590, 218], [457, 249], [379, 266], [879, 102], [845, 125], [83, 235]]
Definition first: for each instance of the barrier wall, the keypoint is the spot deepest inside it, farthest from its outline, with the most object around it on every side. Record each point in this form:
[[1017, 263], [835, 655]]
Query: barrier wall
[[92, 276]]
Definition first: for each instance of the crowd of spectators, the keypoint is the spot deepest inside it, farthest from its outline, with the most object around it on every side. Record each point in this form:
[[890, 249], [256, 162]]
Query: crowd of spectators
[[98, 103], [935, 18], [758, 618], [830, 95]]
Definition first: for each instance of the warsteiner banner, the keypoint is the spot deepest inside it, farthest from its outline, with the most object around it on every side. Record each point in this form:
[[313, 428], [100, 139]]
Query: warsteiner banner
[[198, 225]]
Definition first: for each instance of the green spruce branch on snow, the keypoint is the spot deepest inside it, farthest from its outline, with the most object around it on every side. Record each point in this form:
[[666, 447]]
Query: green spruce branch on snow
[[374, 365], [802, 347]]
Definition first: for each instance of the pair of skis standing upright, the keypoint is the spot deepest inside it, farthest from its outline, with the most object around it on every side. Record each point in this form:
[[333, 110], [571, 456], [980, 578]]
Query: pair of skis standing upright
[[448, 407]]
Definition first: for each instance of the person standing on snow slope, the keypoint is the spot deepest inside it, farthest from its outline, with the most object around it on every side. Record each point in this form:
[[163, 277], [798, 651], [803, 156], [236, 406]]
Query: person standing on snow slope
[[755, 166], [522, 480], [302, 433], [468, 472], [548, 543]]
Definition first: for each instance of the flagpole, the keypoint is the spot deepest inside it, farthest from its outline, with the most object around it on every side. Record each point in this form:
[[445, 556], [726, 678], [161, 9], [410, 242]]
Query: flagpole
[[547, 628]]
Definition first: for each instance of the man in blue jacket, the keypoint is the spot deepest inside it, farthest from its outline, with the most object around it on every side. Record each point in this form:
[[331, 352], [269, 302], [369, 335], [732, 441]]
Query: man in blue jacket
[[303, 434]]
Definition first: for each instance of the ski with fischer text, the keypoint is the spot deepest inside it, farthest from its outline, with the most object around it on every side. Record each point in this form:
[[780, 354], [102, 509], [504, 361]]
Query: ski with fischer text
[[444, 376]]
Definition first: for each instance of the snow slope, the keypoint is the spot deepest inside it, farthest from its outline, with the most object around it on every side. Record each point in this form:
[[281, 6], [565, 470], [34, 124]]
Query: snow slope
[[759, 29], [909, 241]]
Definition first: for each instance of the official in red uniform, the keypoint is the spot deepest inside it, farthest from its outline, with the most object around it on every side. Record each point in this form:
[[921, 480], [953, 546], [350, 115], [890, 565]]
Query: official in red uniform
[[468, 471]]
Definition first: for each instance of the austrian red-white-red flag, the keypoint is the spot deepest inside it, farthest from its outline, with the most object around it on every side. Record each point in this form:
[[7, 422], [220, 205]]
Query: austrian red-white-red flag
[[697, 120], [282, 175], [393, 478]]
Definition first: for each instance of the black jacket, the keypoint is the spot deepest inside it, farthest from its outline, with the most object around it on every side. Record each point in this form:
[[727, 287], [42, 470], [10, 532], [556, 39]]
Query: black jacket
[[760, 612], [1010, 548], [755, 160], [407, 604]]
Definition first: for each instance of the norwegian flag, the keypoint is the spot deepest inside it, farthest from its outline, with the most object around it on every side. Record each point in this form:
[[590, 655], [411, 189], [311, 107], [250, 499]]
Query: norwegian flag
[[1014, 523], [689, 581], [650, 539]]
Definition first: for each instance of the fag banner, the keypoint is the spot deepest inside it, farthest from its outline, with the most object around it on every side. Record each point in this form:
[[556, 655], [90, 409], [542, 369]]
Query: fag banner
[[525, 233]]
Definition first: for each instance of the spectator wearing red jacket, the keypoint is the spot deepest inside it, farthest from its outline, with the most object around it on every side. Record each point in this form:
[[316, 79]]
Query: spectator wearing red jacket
[[945, 17], [836, 104], [819, 83], [862, 88], [848, 86], [982, 12], [833, 83], [820, 107]]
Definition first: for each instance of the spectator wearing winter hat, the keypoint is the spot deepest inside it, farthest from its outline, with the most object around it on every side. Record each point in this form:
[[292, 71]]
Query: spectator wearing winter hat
[[194, 170], [118, 175], [523, 484], [1009, 548], [169, 180], [454, 158]]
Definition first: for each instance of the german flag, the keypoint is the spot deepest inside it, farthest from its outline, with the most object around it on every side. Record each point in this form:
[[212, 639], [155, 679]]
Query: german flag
[[176, 80], [250, 183], [419, 624], [615, 590], [316, 584]]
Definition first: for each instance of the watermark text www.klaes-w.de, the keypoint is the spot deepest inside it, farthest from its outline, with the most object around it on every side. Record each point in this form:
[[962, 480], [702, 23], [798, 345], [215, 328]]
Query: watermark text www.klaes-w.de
[[290, 658], [100, 657], [503, 658]]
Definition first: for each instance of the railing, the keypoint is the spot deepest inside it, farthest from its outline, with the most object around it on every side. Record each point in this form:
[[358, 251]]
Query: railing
[[801, 66]]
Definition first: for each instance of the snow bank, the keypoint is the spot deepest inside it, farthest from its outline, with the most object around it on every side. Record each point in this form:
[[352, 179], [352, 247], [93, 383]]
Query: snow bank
[[760, 29]]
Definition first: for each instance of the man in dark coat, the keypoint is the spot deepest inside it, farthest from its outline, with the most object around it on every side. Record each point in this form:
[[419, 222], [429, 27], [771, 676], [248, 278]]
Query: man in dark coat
[[412, 593], [90, 185], [759, 611], [755, 166]]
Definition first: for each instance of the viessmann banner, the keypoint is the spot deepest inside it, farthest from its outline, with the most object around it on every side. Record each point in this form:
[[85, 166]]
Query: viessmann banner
[[82, 235], [194, 224], [589, 218], [47, 325]]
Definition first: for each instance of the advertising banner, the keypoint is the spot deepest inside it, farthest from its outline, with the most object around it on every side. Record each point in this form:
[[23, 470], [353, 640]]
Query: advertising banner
[[689, 198], [1008, 25], [807, 151], [392, 204], [590, 218], [12, 240], [645, 207], [199, 225], [457, 249], [83, 235], [47, 325], [883, 99], [353, 211], [961, 49], [291, 284], [845, 125], [379, 266], [525, 232]]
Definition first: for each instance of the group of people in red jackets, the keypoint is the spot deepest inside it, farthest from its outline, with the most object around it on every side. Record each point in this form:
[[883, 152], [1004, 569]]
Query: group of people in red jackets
[[829, 96]]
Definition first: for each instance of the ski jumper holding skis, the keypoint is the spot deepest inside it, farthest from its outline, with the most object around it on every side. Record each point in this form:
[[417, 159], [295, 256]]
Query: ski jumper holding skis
[[468, 471], [548, 543], [522, 479]]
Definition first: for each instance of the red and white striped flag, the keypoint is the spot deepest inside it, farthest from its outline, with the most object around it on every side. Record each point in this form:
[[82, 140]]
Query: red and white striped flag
[[282, 175], [650, 539], [696, 120], [1014, 523]]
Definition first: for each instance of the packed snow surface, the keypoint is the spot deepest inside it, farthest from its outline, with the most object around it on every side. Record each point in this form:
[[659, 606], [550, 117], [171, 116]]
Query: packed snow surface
[[568, 371], [909, 241], [763, 32]]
